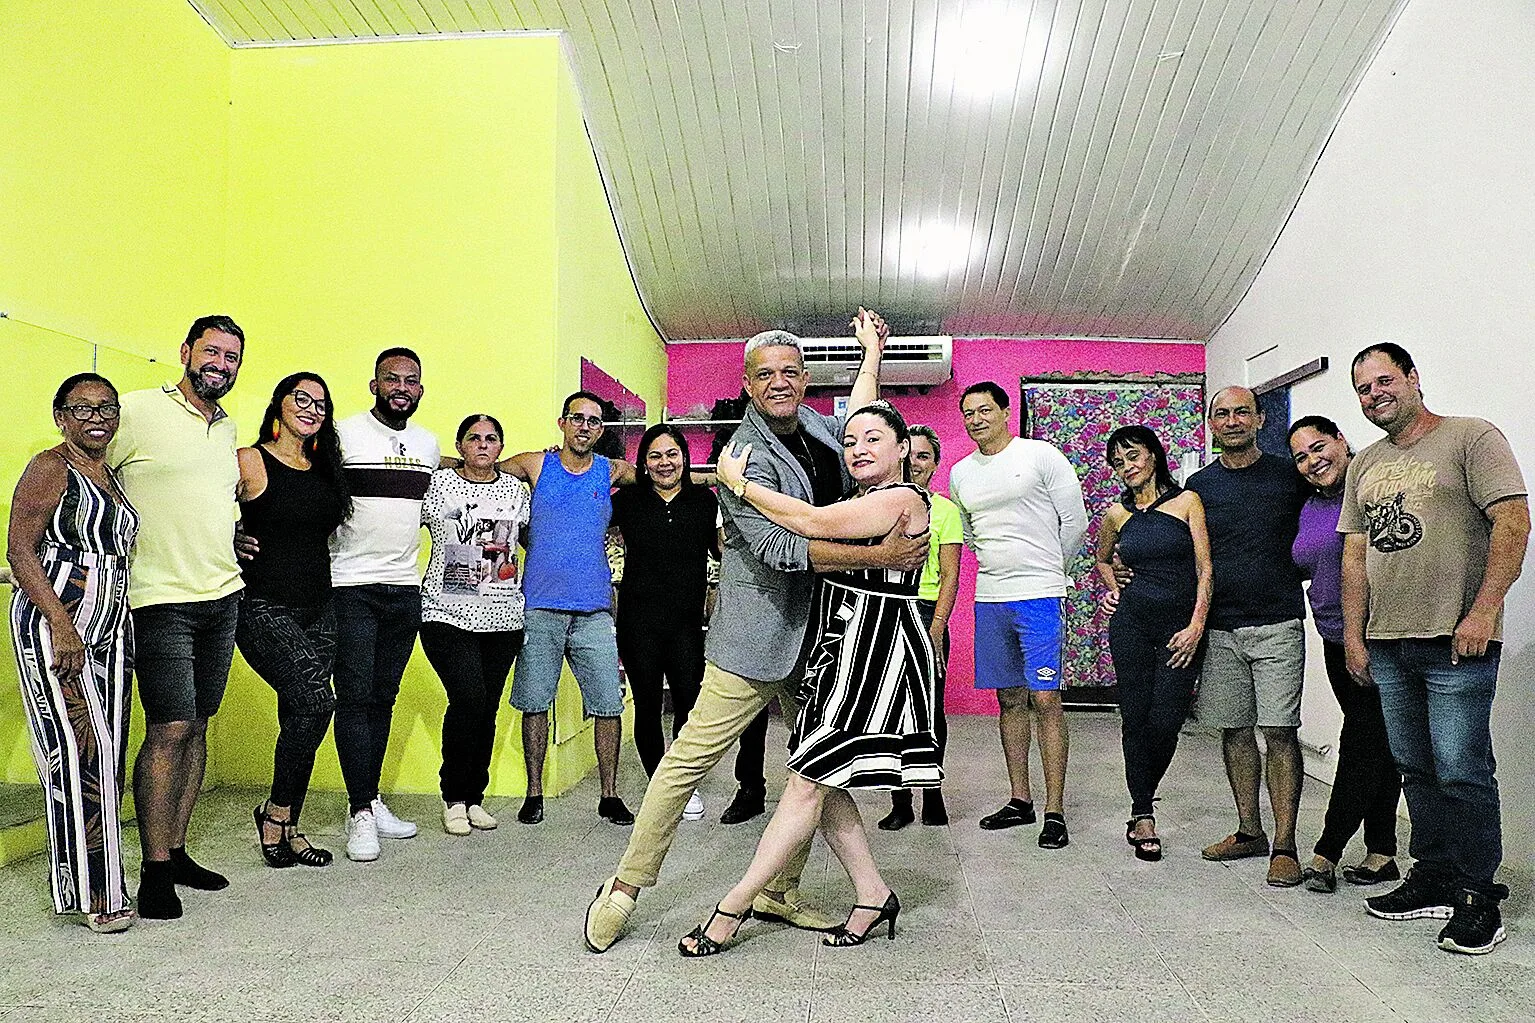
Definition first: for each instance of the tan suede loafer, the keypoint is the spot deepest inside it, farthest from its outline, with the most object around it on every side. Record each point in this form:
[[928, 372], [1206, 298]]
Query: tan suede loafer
[[607, 916], [789, 907]]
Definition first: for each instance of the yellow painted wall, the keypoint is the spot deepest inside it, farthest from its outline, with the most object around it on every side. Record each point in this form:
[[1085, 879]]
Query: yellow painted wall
[[413, 193], [112, 196], [336, 200]]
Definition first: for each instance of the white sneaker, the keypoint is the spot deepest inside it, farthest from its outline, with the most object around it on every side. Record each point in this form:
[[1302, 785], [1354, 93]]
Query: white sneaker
[[694, 811], [362, 837], [390, 826], [480, 818], [455, 819]]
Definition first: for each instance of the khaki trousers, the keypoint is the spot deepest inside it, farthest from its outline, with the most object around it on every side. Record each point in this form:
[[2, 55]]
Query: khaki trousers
[[726, 705]]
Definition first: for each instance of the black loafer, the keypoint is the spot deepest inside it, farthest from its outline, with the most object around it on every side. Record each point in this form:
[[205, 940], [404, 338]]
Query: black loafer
[[613, 810], [1324, 881], [1361, 876], [1012, 814], [1053, 835], [748, 803]]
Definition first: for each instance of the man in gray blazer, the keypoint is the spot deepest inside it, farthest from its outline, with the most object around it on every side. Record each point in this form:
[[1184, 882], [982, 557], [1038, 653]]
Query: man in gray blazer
[[755, 638]]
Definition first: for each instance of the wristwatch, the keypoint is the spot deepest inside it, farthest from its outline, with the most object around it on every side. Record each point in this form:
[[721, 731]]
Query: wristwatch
[[739, 489]]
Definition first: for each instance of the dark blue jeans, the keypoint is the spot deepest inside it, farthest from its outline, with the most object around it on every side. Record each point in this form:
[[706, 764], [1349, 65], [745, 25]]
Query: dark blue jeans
[[375, 634], [1438, 719]]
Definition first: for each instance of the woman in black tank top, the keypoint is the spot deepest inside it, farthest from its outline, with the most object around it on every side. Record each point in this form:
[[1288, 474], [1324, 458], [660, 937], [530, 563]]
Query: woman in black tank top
[[292, 497], [1156, 632]]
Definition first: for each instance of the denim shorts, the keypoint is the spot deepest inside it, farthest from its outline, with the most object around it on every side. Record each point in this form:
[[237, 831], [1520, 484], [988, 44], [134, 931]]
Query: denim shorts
[[1018, 643], [586, 639], [183, 655]]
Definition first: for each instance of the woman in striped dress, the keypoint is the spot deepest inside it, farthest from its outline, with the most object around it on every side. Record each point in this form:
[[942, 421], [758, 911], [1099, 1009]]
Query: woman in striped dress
[[71, 530], [866, 704]]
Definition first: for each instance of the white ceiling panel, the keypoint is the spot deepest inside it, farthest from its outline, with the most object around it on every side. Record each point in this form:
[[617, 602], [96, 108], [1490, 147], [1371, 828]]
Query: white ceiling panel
[[1015, 167]]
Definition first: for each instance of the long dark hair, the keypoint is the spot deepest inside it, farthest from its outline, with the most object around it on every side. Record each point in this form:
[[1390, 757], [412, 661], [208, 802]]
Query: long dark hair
[[324, 448], [897, 423], [641, 474], [1141, 436]]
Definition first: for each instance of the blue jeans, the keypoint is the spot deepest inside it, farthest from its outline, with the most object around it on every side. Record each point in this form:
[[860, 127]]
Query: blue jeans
[[1438, 720]]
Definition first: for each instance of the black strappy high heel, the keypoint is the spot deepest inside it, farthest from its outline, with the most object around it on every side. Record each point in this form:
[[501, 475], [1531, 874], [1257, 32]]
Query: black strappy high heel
[[703, 945], [277, 854], [842, 937], [1149, 848]]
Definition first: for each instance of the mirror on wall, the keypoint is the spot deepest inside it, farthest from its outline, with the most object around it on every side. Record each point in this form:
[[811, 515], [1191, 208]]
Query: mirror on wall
[[623, 411]]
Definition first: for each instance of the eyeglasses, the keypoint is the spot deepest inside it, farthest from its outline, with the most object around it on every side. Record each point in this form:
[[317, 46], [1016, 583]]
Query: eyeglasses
[[84, 413], [578, 420], [303, 400]]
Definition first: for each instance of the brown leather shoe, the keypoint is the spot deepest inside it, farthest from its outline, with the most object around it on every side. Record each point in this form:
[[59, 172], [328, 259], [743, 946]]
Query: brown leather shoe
[[1229, 848], [1284, 870]]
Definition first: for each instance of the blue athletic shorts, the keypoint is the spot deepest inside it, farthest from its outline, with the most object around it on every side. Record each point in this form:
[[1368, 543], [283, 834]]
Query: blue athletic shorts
[[1018, 643]]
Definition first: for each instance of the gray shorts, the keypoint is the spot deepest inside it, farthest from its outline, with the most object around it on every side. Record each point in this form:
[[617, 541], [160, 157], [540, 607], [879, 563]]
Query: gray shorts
[[1252, 676], [182, 655]]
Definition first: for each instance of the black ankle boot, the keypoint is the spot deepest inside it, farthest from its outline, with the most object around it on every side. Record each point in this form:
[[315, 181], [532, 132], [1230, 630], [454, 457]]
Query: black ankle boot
[[748, 803], [157, 891], [189, 873], [934, 813], [900, 811]]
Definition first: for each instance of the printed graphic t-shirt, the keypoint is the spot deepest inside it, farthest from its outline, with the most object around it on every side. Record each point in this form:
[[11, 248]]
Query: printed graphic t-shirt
[[1423, 510], [472, 580], [387, 472]]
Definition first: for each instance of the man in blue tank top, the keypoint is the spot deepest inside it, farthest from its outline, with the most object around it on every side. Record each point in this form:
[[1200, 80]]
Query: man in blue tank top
[[569, 595]]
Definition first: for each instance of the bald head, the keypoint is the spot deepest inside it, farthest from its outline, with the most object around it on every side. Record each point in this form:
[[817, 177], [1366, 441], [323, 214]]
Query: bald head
[[1236, 392]]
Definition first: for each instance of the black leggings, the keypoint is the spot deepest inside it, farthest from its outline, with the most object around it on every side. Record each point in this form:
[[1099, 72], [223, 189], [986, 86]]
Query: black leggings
[[652, 652], [473, 667], [1153, 702], [292, 649], [1368, 785]]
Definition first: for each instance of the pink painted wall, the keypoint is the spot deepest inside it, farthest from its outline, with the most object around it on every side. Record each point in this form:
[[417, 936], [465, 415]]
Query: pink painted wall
[[698, 374]]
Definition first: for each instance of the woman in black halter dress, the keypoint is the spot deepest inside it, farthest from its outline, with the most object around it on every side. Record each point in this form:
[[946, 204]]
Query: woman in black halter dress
[[1156, 633]]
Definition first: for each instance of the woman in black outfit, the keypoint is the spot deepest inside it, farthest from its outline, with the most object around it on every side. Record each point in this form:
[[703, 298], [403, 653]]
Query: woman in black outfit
[[292, 497], [668, 526], [1156, 634]]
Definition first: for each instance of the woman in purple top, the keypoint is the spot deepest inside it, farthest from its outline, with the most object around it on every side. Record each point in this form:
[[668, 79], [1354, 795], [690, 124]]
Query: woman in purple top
[[1368, 785]]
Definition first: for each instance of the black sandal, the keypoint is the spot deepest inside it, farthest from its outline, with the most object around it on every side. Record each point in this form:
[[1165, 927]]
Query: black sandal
[[277, 854], [1148, 849], [308, 855], [703, 945]]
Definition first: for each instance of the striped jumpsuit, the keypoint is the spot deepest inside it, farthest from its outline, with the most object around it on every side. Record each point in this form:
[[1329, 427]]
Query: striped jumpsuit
[[79, 728]]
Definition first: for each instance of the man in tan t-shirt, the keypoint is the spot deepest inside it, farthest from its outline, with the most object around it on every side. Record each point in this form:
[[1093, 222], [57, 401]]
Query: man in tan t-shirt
[[1435, 522]]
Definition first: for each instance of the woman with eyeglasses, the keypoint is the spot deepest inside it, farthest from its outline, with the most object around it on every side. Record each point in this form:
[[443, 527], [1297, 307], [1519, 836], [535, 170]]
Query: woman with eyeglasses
[[292, 497], [71, 530]]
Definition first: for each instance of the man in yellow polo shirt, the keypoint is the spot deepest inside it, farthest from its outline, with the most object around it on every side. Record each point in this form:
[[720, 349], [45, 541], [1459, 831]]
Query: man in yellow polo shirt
[[175, 453]]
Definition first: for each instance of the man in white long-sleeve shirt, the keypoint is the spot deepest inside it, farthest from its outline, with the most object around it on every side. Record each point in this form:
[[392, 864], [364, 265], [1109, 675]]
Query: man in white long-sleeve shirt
[[1021, 507]]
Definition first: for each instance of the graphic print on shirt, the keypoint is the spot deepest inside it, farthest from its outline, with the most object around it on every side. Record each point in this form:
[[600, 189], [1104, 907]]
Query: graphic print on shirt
[[482, 563], [1391, 494]]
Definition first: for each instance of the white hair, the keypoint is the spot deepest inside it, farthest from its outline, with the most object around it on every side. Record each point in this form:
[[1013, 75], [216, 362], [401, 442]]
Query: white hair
[[774, 339]]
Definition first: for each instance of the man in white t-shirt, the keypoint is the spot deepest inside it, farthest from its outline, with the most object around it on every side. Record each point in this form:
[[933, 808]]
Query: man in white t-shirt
[[388, 463], [1021, 508]]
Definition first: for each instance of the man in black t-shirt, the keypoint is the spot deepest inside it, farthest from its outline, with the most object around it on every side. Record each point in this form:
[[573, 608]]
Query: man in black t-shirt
[[1255, 660]]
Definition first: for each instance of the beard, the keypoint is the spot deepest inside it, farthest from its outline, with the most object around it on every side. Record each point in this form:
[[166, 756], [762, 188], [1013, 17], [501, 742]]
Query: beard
[[207, 390], [387, 411]]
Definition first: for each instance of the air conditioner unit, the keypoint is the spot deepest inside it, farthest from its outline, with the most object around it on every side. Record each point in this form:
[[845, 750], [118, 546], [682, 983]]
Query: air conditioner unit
[[908, 361]]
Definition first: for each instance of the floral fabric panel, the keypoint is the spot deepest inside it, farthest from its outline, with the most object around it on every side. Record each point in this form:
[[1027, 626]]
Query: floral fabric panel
[[1078, 418]]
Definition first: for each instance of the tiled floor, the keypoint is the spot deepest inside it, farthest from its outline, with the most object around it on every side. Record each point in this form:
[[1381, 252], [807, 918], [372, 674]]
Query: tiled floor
[[992, 927]]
